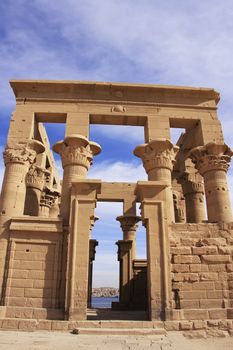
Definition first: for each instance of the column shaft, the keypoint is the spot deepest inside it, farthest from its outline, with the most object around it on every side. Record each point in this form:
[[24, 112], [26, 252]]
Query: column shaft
[[212, 161]]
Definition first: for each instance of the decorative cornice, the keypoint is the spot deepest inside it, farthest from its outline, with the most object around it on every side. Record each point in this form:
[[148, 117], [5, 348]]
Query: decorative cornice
[[77, 150], [159, 153], [211, 157]]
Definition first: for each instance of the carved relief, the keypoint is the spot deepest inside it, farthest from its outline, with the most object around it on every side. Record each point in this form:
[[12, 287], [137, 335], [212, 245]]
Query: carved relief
[[118, 108], [23, 153]]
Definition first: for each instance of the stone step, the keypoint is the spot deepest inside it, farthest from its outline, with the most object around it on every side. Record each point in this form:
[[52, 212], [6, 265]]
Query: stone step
[[120, 331]]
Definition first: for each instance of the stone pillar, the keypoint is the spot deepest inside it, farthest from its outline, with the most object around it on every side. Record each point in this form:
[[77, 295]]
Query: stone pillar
[[125, 259], [158, 158], [48, 198], [17, 160], [193, 189], [129, 227], [152, 195], [92, 246], [212, 161], [77, 153], [179, 206], [83, 203], [35, 180]]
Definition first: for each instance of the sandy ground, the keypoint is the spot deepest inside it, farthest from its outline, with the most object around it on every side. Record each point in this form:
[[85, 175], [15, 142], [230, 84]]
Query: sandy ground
[[57, 340]]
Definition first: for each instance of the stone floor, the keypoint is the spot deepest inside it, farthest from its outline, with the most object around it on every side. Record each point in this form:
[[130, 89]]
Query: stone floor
[[12, 340]]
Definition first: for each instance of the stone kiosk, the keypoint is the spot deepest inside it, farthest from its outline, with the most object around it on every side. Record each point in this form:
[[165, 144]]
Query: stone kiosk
[[46, 250]]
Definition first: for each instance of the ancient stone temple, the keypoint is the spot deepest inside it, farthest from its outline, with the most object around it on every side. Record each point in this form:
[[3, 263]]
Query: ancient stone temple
[[46, 250]]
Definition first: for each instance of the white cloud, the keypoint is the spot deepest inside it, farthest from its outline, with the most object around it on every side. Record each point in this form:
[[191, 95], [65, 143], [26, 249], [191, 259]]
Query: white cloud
[[118, 171]]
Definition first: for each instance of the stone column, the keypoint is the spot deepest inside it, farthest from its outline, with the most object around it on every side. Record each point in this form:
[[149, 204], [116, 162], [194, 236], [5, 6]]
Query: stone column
[[17, 160], [212, 161], [92, 246], [193, 189], [152, 195], [125, 259], [77, 153], [158, 158], [48, 198], [35, 180], [129, 227]]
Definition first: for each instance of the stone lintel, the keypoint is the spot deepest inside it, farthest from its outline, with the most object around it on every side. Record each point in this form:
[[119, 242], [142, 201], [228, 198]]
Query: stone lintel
[[86, 189]]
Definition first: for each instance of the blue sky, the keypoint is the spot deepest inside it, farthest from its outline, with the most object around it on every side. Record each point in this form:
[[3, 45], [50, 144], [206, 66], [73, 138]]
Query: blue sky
[[183, 42]]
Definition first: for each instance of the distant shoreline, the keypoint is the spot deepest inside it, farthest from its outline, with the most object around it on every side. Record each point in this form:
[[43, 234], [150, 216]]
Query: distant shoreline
[[105, 292]]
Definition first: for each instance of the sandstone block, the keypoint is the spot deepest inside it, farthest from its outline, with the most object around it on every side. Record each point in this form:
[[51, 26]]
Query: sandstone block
[[229, 267], [215, 241], [187, 259], [205, 250], [216, 259], [197, 314], [195, 334], [217, 313], [180, 250], [16, 292], [200, 324], [28, 325], [217, 267], [10, 324], [208, 276], [180, 268], [203, 285], [186, 325], [44, 325], [198, 267], [190, 295], [214, 294], [59, 325], [189, 304], [172, 325], [210, 303]]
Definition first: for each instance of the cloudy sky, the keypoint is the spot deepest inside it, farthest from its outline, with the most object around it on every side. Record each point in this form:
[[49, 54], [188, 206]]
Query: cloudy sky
[[185, 42]]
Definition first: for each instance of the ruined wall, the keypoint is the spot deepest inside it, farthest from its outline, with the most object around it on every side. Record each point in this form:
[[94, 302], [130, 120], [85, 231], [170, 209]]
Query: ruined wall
[[202, 269]]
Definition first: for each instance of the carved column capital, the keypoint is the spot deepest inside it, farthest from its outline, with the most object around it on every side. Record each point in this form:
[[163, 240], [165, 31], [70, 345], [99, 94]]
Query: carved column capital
[[77, 150], [23, 153], [159, 153], [48, 197], [36, 177], [129, 222], [93, 243], [123, 248], [93, 219], [212, 156], [192, 183]]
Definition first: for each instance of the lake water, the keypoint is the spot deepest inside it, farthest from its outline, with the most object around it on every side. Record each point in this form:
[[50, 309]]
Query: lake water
[[103, 303]]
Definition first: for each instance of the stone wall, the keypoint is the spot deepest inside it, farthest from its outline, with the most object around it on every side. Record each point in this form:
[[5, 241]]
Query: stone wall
[[202, 270]]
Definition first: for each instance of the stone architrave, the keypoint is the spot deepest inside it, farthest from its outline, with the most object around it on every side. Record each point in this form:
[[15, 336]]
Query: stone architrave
[[77, 153], [126, 271], [158, 157], [212, 161], [129, 227], [17, 160]]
